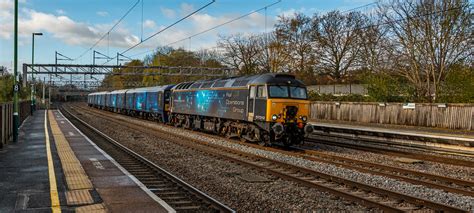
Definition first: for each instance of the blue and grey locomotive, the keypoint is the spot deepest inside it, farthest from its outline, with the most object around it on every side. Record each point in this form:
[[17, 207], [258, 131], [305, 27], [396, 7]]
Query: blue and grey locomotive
[[266, 109]]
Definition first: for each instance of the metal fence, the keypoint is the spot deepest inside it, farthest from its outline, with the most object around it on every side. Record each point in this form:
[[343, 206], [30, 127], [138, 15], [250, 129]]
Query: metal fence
[[6, 120], [451, 116]]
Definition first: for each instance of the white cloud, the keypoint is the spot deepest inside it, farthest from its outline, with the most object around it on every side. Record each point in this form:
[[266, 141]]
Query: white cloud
[[60, 12], [6, 18], [292, 11], [186, 8], [102, 13], [168, 13], [72, 32], [149, 24], [254, 23]]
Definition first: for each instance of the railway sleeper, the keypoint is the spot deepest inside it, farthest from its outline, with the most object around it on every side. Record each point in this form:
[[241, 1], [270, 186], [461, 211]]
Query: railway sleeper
[[187, 208]]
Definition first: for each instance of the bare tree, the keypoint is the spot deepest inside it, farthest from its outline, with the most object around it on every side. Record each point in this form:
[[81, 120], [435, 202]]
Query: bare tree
[[295, 34], [337, 38], [431, 36], [240, 52], [273, 56], [376, 53]]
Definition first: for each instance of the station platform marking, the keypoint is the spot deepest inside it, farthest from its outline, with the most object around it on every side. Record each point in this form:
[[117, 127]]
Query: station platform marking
[[95, 208], [79, 197], [100, 207], [76, 177], [77, 180], [53, 188]]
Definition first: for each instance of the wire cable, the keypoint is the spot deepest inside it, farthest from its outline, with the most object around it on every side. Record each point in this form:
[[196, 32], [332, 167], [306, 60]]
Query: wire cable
[[213, 28], [103, 36], [169, 26]]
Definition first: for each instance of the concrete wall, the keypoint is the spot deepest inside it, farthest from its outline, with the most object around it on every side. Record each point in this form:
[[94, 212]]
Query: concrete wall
[[339, 89]]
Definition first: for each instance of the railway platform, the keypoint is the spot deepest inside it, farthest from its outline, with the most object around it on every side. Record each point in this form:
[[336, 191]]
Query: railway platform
[[55, 168], [436, 136]]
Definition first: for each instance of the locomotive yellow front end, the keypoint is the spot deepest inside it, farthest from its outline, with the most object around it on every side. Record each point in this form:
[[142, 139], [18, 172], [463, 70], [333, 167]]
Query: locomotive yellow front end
[[288, 113]]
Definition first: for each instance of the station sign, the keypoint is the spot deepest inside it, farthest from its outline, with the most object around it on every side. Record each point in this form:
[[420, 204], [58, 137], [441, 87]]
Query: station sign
[[16, 87]]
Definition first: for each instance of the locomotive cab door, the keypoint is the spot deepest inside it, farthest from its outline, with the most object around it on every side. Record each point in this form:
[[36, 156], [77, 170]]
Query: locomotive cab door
[[166, 104], [257, 104], [251, 103]]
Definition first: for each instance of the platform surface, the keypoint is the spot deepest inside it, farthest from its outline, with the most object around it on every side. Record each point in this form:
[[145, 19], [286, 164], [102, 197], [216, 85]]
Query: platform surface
[[461, 135], [24, 180], [24, 173]]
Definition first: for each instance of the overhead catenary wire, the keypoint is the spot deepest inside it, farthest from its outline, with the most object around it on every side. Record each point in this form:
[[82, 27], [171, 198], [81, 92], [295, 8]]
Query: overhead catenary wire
[[362, 6], [169, 26], [164, 29], [110, 30], [215, 27]]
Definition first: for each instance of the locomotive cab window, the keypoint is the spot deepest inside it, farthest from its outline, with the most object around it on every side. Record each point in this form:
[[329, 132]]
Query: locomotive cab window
[[261, 92], [252, 92], [277, 91], [298, 92]]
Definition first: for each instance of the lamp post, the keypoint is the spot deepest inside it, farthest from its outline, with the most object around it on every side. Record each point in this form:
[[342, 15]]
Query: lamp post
[[33, 90], [15, 72]]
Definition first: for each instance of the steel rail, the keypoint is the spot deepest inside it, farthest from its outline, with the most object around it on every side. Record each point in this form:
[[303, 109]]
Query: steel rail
[[384, 150], [463, 187], [339, 186], [198, 195]]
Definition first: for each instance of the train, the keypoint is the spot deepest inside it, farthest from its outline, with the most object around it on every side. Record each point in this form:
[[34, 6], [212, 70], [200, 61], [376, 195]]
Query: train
[[267, 109]]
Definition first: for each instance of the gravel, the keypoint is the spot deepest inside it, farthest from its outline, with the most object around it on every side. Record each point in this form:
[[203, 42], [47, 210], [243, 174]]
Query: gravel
[[323, 202], [459, 172], [223, 180]]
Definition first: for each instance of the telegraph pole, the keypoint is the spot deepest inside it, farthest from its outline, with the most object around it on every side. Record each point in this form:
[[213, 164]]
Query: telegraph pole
[[15, 73]]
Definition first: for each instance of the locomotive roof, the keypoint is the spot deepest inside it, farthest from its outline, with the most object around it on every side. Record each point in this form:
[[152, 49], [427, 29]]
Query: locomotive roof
[[99, 93], [150, 89], [118, 91], [242, 81]]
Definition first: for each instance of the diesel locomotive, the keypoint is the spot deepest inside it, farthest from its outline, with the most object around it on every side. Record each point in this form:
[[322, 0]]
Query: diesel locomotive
[[266, 109]]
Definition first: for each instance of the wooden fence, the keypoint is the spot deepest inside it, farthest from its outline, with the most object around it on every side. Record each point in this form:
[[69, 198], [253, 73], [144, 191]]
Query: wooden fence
[[6, 120], [452, 116]]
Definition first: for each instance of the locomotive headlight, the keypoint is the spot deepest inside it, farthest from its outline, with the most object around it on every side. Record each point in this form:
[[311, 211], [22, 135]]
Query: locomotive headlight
[[274, 117], [304, 118]]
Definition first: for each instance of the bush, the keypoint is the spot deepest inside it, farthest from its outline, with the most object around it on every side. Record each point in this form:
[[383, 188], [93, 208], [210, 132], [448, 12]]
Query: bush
[[458, 86], [6, 89]]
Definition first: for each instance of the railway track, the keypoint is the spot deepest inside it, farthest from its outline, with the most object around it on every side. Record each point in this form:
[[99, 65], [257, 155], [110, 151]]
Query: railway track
[[386, 149], [463, 187], [178, 194], [364, 194], [444, 183], [448, 184]]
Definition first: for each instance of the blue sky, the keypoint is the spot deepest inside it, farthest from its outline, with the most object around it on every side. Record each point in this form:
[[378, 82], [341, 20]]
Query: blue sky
[[73, 26]]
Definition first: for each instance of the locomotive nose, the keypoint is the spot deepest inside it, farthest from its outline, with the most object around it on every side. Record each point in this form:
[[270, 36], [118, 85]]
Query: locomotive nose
[[291, 111]]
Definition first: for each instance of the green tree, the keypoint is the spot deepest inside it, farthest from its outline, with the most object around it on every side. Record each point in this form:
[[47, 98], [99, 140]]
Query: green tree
[[177, 58], [387, 88], [6, 89], [458, 86]]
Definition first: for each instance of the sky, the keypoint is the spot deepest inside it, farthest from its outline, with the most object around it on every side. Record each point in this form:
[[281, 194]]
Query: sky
[[72, 27]]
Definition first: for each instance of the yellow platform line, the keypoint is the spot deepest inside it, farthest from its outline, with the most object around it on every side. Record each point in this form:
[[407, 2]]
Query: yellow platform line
[[76, 177], [53, 188]]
